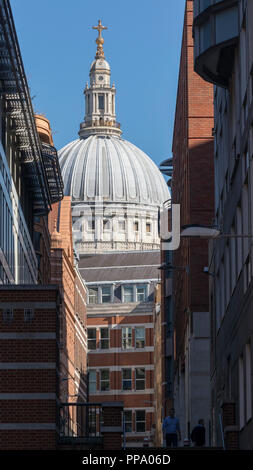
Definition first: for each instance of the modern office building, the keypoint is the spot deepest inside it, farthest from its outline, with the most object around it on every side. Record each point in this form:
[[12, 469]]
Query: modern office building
[[117, 192], [224, 57], [192, 188]]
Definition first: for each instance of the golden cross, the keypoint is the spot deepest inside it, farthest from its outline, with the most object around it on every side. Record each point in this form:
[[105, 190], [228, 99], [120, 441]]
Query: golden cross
[[99, 28]]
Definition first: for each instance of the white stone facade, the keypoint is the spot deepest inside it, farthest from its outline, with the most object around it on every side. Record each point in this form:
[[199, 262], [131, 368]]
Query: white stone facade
[[116, 189]]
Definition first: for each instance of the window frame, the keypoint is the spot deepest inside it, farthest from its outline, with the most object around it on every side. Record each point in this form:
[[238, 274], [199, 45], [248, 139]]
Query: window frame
[[104, 339], [143, 338], [126, 369], [140, 421], [144, 287], [92, 381], [129, 421], [91, 339], [106, 295], [101, 96], [104, 380], [127, 336], [138, 380], [128, 286], [96, 297]]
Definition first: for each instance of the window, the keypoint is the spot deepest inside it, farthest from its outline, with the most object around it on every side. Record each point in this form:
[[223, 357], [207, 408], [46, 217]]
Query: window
[[101, 102], [28, 315], [128, 420], [7, 315], [139, 379], [126, 379], [140, 420], [104, 338], [106, 294], [92, 381], [128, 293], [141, 293], [140, 337], [92, 341], [93, 295], [136, 226], [148, 227], [126, 338], [104, 380]]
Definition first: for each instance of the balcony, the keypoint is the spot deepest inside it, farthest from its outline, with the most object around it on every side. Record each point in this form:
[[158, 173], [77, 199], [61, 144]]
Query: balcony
[[53, 172], [215, 32], [80, 424], [100, 126]]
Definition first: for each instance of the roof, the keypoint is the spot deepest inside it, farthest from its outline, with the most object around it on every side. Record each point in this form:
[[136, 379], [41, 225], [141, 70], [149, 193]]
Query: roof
[[111, 168], [120, 266]]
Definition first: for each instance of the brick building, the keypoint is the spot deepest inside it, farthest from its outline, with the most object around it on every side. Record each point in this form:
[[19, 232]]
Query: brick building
[[121, 335], [64, 273], [192, 188], [225, 59], [29, 368]]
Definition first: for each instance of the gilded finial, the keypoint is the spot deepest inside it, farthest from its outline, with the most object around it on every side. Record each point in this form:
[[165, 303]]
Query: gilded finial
[[99, 40]]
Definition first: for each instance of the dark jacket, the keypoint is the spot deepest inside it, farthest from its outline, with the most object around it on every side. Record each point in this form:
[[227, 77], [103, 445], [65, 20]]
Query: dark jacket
[[198, 435]]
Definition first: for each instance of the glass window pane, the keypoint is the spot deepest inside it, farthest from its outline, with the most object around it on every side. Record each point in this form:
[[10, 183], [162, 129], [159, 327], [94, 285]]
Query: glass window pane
[[105, 380], [141, 293], [128, 420], [128, 294], [136, 226], [140, 337], [140, 379], [92, 381], [104, 374], [93, 295], [140, 420], [92, 342], [101, 102], [126, 338], [106, 294], [104, 338], [127, 379]]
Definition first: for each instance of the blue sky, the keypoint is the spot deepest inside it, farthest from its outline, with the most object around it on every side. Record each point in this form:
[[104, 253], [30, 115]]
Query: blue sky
[[142, 45]]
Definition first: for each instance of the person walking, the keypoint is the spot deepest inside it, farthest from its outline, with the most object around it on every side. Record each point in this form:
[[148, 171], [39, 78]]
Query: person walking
[[198, 435], [171, 429]]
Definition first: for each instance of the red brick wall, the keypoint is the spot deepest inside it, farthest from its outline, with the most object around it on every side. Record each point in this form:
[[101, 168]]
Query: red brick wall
[[192, 183], [107, 359], [29, 365]]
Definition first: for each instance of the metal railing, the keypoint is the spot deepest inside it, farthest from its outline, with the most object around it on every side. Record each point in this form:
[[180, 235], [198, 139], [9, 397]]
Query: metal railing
[[53, 172], [80, 420], [100, 122]]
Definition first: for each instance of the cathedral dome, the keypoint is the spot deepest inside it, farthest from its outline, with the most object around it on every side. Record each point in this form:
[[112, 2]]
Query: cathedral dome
[[113, 169], [116, 189]]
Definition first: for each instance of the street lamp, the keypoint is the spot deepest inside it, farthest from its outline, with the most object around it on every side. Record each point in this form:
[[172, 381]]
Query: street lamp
[[204, 231]]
